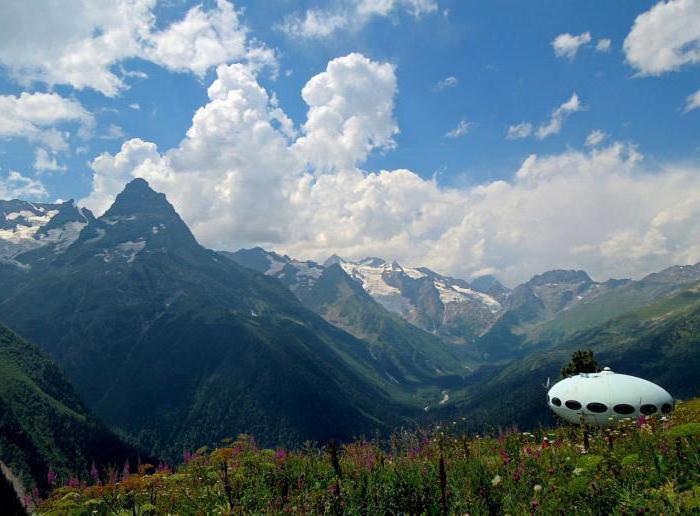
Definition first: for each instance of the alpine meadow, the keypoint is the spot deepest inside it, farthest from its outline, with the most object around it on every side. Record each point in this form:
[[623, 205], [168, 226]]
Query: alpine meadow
[[349, 257]]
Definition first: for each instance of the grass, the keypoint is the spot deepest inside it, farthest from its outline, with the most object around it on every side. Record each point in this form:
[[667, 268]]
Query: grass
[[649, 465]]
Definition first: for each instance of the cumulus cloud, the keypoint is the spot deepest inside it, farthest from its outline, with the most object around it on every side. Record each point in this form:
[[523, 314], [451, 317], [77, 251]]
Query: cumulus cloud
[[602, 210], [351, 112], [79, 42], [559, 116], [446, 83], [44, 161], [15, 186], [595, 137], [567, 45], [603, 45], [33, 116], [352, 15], [692, 101], [462, 129], [665, 38]]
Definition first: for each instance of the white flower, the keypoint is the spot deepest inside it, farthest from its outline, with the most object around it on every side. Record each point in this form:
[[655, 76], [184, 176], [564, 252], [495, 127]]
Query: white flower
[[538, 488], [496, 480], [578, 471]]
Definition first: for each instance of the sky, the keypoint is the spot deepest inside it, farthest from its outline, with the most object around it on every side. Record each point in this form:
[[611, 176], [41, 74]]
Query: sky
[[499, 137]]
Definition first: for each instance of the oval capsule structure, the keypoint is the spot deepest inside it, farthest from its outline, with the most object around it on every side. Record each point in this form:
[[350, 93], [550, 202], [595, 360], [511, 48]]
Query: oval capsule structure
[[602, 398]]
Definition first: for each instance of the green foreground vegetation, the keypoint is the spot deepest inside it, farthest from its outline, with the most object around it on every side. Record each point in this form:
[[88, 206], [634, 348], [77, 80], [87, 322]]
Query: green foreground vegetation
[[650, 464]]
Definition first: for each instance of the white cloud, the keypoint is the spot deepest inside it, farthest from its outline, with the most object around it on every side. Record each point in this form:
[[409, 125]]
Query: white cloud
[[462, 129], [603, 45], [559, 116], [44, 161], [519, 131], [16, 186], [351, 112], [596, 137], [601, 210], [446, 83], [549, 128], [692, 102], [33, 115], [352, 15], [134, 105], [665, 38], [567, 45], [79, 42], [113, 132]]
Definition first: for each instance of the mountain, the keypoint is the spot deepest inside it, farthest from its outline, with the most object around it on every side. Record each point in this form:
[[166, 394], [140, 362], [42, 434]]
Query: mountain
[[551, 307], [175, 346], [43, 424], [25, 226], [450, 308], [659, 342], [411, 353]]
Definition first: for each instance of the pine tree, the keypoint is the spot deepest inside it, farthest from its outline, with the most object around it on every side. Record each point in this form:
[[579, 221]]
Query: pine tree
[[582, 361]]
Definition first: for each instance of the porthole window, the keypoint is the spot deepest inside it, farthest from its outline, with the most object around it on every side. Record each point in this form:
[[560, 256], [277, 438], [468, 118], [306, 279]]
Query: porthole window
[[573, 404], [598, 408], [556, 401], [624, 409], [648, 409], [666, 408]]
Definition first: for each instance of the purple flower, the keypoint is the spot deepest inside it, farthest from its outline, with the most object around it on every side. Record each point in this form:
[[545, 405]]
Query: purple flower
[[281, 454], [94, 473], [187, 456], [73, 483], [534, 505], [51, 476], [125, 470], [641, 420]]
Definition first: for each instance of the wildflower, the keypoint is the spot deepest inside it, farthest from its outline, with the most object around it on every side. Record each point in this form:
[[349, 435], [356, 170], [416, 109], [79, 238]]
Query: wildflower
[[578, 471], [534, 505], [51, 476], [125, 470], [641, 420], [496, 480], [281, 454], [538, 488], [186, 456], [73, 483], [94, 473]]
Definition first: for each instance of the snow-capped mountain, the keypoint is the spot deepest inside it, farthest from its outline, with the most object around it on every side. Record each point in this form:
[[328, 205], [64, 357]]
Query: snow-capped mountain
[[450, 307], [25, 226]]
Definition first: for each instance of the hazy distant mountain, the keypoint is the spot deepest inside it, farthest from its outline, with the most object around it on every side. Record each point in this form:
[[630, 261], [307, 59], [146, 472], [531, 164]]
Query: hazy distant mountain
[[659, 341], [25, 226], [553, 306], [409, 353], [43, 423], [451, 308], [176, 346]]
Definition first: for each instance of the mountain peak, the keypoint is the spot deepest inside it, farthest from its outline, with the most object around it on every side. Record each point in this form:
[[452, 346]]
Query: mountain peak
[[560, 276], [332, 260], [139, 198]]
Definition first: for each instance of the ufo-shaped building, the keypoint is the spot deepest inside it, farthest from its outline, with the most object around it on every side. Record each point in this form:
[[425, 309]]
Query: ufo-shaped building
[[602, 398]]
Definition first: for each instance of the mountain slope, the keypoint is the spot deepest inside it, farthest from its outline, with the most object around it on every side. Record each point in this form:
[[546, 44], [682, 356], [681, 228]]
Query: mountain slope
[[176, 346], [555, 305], [450, 308], [409, 354], [43, 423], [659, 342]]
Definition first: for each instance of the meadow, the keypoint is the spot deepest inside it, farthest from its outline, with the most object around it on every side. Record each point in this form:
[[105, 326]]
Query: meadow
[[638, 465]]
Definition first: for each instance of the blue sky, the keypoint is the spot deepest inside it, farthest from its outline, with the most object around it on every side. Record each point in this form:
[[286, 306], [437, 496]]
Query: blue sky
[[502, 69]]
